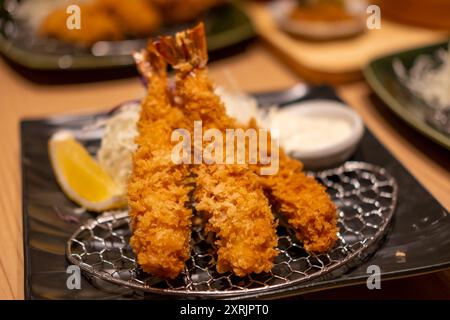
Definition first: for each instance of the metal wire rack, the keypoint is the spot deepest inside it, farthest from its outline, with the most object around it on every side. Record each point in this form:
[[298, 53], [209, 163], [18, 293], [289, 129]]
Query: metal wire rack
[[364, 194]]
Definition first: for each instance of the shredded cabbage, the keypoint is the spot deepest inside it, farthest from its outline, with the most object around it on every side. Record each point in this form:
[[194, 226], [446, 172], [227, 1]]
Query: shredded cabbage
[[117, 145], [429, 78]]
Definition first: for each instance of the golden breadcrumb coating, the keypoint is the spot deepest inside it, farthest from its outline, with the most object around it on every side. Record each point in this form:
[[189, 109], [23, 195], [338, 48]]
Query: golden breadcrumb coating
[[239, 215], [305, 204], [158, 189]]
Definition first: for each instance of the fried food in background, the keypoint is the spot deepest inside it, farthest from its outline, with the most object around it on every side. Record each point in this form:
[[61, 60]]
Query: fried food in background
[[115, 20], [179, 11], [321, 10], [137, 17], [95, 25]]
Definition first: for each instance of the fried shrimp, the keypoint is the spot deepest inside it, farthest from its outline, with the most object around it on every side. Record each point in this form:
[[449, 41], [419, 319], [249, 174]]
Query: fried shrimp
[[302, 201], [305, 204], [158, 189], [229, 195]]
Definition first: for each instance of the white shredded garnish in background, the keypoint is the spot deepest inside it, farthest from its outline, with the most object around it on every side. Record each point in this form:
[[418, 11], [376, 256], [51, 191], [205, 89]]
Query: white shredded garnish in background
[[428, 79]]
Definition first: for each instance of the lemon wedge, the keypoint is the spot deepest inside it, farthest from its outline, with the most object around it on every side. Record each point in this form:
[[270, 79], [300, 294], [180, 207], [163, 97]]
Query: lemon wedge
[[81, 178]]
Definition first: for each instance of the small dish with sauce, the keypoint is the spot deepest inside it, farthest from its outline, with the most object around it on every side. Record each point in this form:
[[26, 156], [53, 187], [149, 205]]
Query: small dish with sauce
[[320, 133]]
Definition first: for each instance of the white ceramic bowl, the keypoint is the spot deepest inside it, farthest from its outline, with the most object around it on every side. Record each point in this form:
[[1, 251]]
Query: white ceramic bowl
[[332, 154]]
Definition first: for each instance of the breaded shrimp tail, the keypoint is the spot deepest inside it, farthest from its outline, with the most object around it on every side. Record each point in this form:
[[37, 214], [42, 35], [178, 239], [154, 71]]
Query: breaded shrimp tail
[[230, 195], [158, 189]]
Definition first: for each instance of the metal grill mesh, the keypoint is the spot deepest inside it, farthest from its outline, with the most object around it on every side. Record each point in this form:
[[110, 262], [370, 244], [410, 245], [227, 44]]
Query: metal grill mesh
[[364, 194]]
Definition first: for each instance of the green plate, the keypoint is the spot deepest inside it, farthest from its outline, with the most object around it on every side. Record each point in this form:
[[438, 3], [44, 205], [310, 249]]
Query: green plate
[[226, 25], [381, 77]]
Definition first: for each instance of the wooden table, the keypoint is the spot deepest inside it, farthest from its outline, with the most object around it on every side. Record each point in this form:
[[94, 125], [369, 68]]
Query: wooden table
[[254, 69]]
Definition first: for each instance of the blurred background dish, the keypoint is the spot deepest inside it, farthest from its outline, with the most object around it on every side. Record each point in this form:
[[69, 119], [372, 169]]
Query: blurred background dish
[[110, 20], [321, 19], [336, 61], [385, 77], [34, 33]]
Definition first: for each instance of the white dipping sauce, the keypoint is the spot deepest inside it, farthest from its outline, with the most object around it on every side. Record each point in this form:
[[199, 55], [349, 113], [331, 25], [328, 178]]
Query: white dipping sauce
[[309, 132], [321, 133]]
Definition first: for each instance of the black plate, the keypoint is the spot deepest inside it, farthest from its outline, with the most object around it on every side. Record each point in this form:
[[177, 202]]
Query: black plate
[[420, 229]]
